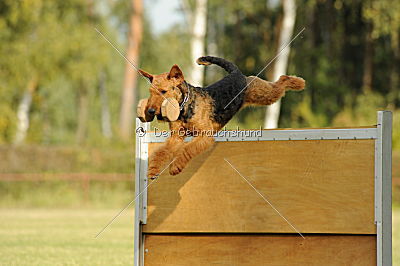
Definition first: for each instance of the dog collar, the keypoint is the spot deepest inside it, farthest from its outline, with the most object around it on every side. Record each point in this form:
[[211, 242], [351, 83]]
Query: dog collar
[[185, 99]]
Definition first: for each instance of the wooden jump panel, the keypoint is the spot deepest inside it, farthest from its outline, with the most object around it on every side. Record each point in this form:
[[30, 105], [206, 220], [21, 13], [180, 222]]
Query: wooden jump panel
[[183, 250], [320, 186]]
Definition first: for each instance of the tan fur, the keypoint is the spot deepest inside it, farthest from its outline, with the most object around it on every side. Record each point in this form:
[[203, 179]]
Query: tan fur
[[261, 92], [175, 147], [163, 82]]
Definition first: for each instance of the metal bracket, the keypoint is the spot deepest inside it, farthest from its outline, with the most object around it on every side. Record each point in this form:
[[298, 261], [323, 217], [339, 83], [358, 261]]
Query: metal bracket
[[383, 188], [274, 135], [141, 161]]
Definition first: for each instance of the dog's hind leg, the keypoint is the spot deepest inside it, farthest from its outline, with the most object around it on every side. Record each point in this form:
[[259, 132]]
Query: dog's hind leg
[[261, 92]]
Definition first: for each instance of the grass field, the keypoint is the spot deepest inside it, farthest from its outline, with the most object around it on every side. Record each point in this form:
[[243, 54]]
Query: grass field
[[66, 237]]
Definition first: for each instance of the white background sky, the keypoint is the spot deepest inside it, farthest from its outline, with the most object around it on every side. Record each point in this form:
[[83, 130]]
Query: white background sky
[[163, 14]]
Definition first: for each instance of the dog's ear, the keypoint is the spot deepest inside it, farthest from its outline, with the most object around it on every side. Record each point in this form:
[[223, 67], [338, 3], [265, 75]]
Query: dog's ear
[[146, 75], [175, 73]]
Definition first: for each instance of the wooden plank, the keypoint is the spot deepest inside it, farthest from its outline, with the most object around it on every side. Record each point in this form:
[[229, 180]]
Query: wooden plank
[[324, 186], [259, 250]]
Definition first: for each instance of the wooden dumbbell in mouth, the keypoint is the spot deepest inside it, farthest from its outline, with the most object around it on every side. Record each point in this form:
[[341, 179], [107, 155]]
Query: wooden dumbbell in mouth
[[141, 111], [170, 109]]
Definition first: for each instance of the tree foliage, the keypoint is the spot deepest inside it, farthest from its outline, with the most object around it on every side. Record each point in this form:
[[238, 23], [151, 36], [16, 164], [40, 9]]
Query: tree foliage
[[55, 43], [332, 55], [349, 55]]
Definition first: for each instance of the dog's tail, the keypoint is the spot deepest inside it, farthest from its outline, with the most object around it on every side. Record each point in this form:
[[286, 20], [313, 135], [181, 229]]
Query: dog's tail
[[290, 83], [208, 60]]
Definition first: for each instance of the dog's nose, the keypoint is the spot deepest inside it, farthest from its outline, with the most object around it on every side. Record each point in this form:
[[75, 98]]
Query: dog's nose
[[151, 111]]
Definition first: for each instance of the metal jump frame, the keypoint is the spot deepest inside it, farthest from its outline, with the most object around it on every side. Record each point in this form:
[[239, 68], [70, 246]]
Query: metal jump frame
[[382, 134]]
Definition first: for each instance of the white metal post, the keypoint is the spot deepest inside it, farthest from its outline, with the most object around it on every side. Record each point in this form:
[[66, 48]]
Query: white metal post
[[140, 185], [383, 188]]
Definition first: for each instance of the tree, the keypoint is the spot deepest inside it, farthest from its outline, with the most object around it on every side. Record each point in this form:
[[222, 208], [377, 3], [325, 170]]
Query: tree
[[280, 66], [48, 49], [23, 111], [129, 91], [199, 28]]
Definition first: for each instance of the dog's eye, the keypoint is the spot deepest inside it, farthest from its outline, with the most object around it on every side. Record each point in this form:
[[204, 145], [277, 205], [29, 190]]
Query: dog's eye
[[163, 91]]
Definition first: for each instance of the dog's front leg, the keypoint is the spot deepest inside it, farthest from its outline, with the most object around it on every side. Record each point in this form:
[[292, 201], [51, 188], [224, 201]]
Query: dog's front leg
[[188, 151], [163, 155]]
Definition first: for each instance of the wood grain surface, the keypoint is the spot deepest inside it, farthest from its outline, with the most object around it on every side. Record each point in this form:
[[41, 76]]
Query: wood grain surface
[[320, 186], [193, 250]]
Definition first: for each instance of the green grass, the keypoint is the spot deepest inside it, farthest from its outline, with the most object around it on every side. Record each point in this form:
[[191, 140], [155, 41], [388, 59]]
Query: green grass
[[65, 237], [63, 194]]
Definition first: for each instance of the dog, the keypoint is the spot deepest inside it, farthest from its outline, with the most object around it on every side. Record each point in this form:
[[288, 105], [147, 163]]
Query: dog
[[206, 109]]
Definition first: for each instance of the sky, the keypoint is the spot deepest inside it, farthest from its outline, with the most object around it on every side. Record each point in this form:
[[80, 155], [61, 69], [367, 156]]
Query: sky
[[163, 14]]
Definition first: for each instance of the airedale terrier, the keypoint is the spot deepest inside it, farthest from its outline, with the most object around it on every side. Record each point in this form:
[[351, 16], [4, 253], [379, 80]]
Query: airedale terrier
[[205, 109]]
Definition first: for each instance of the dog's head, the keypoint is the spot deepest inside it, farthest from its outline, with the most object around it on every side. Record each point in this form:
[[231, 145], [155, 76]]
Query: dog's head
[[163, 86]]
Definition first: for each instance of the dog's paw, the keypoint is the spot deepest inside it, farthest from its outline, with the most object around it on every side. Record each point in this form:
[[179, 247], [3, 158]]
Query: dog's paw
[[175, 168], [153, 173]]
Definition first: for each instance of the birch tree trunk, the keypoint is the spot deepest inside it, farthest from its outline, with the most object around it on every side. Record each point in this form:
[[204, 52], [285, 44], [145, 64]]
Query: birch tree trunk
[[105, 110], [23, 112], [128, 99], [280, 66], [197, 42]]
